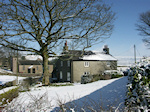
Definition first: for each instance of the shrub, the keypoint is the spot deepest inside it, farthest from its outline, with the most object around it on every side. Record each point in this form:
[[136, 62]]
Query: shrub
[[116, 76], [9, 84], [8, 96], [86, 79], [61, 84], [138, 95], [40, 103], [27, 83], [96, 78]]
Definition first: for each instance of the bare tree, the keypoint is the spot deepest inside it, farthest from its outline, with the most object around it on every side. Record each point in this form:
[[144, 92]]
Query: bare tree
[[2, 54], [42, 25], [9, 52], [144, 27]]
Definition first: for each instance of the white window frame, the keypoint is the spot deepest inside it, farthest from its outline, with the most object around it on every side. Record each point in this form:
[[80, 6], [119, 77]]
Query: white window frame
[[61, 75], [23, 67], [61, 63], [68, 76], [86, 64], [68, 63], [37, 67], [108, 64]]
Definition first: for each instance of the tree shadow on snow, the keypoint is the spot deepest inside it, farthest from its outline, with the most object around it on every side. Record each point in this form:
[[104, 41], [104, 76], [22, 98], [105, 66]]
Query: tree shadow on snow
[[105, 99]]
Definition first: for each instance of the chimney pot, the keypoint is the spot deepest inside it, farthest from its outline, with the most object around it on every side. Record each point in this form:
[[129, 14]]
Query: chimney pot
[[106, 49]]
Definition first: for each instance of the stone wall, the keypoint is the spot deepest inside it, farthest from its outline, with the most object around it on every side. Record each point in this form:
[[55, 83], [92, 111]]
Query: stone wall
[[22, 74]]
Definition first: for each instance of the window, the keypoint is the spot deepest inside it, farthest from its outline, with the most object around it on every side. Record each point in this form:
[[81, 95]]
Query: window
[[48, 67], [86, 73], [37, 67], [68, 76], [33, 70], [86, 64], [61, 76], [68, 63], [23, 67], [61, 63], [108, 64], [29, 70]]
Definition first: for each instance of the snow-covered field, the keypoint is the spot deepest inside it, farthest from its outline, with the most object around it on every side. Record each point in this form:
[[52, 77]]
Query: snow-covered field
[[126, 60], [105, 92], [7, 78], [5, 71]]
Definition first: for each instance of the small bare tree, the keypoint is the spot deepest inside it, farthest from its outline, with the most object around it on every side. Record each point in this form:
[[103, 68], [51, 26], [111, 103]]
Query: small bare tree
[[9, 52], [42, 25], [144, 27]]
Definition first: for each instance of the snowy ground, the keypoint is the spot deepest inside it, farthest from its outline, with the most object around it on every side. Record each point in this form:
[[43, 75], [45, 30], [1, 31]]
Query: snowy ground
[[7, 78], [5, 71], [104, 92]]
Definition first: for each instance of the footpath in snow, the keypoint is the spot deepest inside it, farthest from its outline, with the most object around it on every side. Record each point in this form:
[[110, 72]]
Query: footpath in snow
[[104, 93]]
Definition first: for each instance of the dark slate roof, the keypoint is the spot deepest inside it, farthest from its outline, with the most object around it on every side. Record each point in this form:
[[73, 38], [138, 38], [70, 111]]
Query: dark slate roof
[[75, 54], [79, 52]]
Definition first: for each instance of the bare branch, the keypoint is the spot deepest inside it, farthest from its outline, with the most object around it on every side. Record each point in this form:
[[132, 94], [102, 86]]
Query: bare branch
[[46, 23], [144, 27]]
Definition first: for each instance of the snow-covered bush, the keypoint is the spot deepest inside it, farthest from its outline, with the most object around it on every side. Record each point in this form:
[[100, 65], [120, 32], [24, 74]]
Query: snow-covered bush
[[86, 79], [138, 95], [38, 103]]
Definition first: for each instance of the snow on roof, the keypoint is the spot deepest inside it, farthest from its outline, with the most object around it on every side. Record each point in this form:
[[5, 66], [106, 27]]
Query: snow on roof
[[35, 57], [30, 66], [99, 56]]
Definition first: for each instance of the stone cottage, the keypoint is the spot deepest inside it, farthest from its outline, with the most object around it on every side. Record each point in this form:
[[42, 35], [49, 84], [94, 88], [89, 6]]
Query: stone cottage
[[29, 66], [73, 64]]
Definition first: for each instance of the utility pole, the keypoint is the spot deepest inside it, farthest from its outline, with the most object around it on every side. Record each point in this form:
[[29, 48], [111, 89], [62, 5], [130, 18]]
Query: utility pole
[[134, 53], [17, 81]]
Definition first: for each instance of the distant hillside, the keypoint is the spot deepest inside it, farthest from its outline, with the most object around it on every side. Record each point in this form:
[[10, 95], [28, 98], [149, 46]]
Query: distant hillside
[[126, 60]]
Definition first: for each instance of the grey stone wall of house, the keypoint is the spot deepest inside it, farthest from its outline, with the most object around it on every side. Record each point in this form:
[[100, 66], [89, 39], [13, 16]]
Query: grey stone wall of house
[[94, 68], [22, 74]]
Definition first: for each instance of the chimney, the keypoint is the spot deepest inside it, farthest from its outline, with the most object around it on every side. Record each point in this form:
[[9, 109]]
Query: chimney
[[14, 65], [106, 49], [65, 47]]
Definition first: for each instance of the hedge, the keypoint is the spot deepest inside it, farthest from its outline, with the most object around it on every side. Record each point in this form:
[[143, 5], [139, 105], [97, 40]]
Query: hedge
[[8, 96]]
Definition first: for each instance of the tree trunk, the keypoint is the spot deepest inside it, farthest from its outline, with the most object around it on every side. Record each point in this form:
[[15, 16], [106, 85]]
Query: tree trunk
[[45, 69]]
